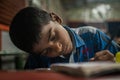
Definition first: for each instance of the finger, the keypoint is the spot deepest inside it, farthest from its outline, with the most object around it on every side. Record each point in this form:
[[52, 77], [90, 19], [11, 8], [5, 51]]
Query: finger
[[101, 53], [103, 58], [106, 57], [92, 59]]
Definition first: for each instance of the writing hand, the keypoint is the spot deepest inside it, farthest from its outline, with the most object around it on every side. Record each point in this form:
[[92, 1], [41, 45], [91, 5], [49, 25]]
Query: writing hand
[[103, 55]]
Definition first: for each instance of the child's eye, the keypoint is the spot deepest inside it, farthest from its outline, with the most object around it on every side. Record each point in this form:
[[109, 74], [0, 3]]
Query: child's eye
[[52, 38]]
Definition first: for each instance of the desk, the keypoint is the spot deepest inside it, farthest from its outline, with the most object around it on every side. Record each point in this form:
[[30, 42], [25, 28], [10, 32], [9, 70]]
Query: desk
[[46, 75]]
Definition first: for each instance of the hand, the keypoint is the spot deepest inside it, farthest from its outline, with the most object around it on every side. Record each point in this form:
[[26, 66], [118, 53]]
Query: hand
[[104, 55]]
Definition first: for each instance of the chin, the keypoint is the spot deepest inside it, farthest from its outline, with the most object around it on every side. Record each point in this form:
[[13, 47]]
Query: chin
[[52, 56]]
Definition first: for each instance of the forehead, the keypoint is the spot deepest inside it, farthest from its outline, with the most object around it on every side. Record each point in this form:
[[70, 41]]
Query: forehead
[[47, 27], [44, 34]]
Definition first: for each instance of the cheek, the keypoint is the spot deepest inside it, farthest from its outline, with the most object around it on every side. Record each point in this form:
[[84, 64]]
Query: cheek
[[62, 36], [64, 39]]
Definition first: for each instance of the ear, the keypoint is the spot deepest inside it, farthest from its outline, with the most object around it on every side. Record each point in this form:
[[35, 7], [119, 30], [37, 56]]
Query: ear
[[56, 18]]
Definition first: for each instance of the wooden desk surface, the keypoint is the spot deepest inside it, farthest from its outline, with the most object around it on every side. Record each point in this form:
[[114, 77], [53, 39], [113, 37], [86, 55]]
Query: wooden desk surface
[[46, 75]]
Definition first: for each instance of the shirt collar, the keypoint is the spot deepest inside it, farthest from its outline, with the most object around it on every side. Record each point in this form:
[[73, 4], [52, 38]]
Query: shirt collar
[[76, 39]]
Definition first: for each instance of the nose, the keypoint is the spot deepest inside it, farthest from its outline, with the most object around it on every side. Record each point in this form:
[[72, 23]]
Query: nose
[[56, 47]]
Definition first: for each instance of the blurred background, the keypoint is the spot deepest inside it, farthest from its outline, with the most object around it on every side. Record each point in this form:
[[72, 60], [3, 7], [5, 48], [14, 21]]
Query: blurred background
[[103, 14]]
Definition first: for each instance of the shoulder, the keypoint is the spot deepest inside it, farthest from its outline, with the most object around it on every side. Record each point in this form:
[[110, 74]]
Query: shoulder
[[85, 29]]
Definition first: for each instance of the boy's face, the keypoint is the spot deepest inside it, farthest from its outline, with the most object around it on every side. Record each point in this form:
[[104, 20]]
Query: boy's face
[[54, 41]]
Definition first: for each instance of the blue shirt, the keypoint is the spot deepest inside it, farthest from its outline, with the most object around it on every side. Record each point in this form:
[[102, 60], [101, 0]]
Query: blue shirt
[[89, 40], [86, 41]]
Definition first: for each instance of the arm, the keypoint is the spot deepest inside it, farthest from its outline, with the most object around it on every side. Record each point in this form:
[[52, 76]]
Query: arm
[[104, 55], [97, 40], [102, 40]]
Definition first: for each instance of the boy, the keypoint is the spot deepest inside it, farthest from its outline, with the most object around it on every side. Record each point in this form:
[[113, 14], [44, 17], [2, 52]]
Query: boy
[[41, 34]]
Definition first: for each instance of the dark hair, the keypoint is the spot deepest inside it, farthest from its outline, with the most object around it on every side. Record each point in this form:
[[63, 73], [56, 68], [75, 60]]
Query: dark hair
[[114, 28], [26, 25]]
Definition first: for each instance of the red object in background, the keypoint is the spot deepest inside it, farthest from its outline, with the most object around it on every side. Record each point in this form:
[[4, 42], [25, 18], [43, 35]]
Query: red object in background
[[3, 28]]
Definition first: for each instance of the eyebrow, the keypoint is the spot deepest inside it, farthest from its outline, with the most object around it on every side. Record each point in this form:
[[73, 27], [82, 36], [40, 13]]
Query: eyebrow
[[49, 34]]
